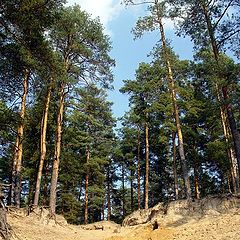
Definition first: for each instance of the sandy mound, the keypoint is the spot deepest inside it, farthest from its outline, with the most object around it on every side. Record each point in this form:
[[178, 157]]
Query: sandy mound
[[209, 219]]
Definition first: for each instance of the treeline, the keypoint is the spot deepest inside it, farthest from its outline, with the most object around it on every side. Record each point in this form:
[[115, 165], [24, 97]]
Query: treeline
[[58, 146]]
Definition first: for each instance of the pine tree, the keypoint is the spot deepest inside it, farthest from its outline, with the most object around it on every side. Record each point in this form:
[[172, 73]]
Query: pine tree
[[83, 49], [152, 22]]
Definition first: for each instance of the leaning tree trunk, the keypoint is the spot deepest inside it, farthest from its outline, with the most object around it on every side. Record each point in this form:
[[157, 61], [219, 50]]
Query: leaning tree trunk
[[86, 188], [175, 106], [231, 119], [54, 179], [18, 153], [42, 147]]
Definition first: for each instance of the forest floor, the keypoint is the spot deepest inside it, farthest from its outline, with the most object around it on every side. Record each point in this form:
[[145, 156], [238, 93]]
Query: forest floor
[[215, 226]]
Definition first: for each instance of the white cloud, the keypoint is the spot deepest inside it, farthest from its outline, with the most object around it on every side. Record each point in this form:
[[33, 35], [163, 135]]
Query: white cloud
[[107, 10]]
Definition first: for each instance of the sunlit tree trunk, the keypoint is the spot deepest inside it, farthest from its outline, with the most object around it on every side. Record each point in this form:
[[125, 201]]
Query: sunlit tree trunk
[[175, 106], [233, 161], [18, 152], [42, 147], [55, 168], [175, 165], [227, 135], [232, 125], [45, 187], [196, 174], [231, 119]]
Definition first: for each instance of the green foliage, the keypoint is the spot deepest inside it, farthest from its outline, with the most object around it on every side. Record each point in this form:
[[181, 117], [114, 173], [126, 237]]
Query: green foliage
[[65, 46]]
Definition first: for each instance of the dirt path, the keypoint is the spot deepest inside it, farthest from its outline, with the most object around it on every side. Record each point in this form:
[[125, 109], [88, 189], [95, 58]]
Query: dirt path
[[220, 227]]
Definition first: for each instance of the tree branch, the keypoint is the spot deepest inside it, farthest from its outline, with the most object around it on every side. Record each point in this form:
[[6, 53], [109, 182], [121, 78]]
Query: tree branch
[[130, 2], [229, 36], [223, 14]]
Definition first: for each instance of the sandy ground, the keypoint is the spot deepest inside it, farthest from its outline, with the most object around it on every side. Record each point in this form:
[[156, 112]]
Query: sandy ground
[[224, 227]]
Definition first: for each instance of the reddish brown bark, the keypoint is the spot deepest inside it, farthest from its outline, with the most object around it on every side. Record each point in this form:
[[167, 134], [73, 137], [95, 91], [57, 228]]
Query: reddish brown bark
[[54, 179], [18, 152], [43, 148]]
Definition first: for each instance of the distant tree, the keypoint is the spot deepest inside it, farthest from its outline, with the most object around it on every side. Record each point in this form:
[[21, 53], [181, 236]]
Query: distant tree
[[89, 135]]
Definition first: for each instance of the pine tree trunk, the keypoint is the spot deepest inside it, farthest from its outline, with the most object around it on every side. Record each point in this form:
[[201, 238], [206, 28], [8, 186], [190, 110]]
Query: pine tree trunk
[[232, 125], [103, 208], [123, 196], [147, 165], [139, 169], [230, 150], [109, 195], [86, 188], [18, 153], [196, 180], [54, 179], [131, 190], [43, 147], [175, 165], [45, 187], [233, 162], [231, 119], [175, 107]]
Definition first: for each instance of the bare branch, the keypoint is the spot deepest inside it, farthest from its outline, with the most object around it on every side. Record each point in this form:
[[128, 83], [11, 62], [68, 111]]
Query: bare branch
[[228, 37], [223, 14]]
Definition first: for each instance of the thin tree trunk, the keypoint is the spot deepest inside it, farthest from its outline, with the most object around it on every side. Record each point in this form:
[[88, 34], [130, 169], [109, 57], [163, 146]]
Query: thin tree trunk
[[123, 197], [86, 188], [147, 165], [131, 189], [139, 169], [108, 195], [103, 208], [45, 187], [43, 147], [53, 190], [175, 165], [229, 182], [18, 153], [196, 180], [175, 107]]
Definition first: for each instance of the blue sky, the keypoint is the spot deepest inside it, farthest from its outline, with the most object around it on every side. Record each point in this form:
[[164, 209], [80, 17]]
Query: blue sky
[[118, 22]]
